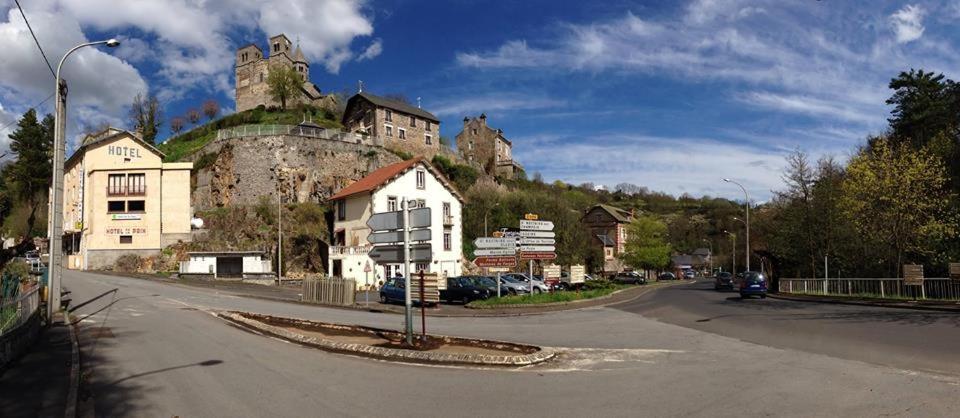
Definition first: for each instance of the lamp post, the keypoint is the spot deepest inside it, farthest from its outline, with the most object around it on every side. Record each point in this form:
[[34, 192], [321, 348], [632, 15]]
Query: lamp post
[[59, 149], [748, 218], [487, 212], [710, 243], [734, 249]]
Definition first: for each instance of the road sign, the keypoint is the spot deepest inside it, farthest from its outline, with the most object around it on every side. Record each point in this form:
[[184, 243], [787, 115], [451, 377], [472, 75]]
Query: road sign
[[494, 251], [496, 261], [538, 256], [366, 268], [389, 254], [498, 269], [537, 241], [419, 218], [390, 237], [913, 274], [537, 248], [955, 271], [495, 242], [536, 225], [551, 271], [431, 287], [537, 234], [531, 216], [576, 274]]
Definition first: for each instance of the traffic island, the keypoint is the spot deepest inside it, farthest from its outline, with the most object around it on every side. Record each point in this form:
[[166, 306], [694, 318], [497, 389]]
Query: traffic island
[[391, 345]]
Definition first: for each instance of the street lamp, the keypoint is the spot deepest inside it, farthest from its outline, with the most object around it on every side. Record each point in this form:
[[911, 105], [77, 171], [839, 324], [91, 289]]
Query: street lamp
[[733, 248], [747, 223], [485, 232], [710, 243], [59, 149]]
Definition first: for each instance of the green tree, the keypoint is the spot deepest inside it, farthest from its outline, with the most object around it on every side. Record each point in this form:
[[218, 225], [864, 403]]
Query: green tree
[[924, 105], [146, 115], [646, 247], [897, 199], [285, 85], [28, 177]]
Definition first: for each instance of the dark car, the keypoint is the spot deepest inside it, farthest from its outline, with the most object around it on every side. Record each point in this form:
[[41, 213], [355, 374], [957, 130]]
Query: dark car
[[666, 276], [466, 289], [393, 290], [753, 283], [629, 277], [723, 280]]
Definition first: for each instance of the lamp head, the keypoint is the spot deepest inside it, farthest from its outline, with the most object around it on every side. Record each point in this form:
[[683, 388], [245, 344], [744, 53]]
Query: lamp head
[[113, 43], [726, 180]]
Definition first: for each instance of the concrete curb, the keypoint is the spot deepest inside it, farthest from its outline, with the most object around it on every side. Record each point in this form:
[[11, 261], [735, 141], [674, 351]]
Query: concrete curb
[[405, 356], [71, 407], [836, 301], [643, 290]]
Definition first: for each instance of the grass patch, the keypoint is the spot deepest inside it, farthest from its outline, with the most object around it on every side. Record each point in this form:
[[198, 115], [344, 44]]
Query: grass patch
[[552, 297]]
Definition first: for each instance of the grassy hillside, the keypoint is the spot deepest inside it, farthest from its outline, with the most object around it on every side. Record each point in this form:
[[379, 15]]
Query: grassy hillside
[[179, 147]]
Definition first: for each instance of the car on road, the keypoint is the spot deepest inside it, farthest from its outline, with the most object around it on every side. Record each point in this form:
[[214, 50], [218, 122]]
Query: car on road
[[629, 277], [666, 276], [753, 283], [689, 274], [723, 280], [538, 286]]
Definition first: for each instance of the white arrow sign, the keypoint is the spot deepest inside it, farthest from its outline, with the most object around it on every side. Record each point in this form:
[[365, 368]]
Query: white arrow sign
[[538, 248], [495, 242], [536, 225], [537, 234], [494, 251], [537, 241]]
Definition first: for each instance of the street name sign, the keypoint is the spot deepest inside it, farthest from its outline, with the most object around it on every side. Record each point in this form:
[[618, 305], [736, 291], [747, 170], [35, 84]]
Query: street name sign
[[536, 225], [419, 218], [387, 254], [390, 237], [494, 252], [495, 242], [538, 256], [537, 234], [913, 274], [537, 248], [496, 261], [537, 241]]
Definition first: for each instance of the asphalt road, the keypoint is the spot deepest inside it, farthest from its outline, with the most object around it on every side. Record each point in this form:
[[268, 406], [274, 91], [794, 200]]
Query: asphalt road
[[154, 349], [902, 338]]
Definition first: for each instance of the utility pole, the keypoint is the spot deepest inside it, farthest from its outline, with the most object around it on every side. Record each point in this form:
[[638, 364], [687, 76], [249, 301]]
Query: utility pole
[[408, 302]]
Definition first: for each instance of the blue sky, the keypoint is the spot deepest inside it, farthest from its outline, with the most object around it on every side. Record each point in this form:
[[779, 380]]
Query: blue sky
[[673, 96]]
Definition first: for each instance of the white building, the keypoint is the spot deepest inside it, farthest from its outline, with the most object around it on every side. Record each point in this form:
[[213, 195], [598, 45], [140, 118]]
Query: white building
[[227, 264], [382, 191]]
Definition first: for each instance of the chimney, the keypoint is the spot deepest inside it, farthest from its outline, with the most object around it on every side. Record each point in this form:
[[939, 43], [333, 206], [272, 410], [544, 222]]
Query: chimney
[[483, 119], [466, 120]]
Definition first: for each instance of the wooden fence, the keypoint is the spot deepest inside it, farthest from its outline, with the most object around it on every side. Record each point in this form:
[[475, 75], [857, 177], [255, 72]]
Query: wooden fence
[[332, 291]]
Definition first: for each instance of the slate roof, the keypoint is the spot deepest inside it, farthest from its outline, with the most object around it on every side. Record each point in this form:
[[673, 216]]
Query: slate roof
[[620, 215], [107, 135], [396, 105]]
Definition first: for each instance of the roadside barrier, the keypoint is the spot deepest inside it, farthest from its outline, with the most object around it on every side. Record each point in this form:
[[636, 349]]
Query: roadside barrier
[[331, 291], [932, 288]]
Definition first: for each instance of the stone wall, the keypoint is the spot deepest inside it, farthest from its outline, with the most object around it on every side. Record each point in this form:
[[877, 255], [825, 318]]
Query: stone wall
[[307, 169], [105, 259]]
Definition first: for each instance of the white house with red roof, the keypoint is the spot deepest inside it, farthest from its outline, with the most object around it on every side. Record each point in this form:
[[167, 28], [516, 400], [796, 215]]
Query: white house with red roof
[[383, 191]]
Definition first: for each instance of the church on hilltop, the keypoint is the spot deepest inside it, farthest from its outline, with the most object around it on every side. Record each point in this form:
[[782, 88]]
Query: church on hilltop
[[253, 67]]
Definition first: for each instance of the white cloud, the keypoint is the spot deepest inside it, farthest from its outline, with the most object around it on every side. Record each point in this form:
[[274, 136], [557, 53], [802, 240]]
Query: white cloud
[[810, 106], [326, 28], [372, 51], [494, 102], [907, 23]]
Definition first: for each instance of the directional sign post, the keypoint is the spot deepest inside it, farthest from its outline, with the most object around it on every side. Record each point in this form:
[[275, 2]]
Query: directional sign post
[[498, 252], [537, 241]]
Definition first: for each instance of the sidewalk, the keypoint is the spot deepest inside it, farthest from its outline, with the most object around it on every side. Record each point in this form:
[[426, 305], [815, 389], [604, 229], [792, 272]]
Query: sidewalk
[[926, 305], [38, 383]]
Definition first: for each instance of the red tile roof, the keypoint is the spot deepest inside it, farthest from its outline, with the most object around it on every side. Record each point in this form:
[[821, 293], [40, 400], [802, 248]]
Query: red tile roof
[[376, 179]]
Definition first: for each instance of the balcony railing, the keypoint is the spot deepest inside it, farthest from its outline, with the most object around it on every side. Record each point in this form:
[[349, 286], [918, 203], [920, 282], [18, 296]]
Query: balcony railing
[[127, 191], [352, 250]]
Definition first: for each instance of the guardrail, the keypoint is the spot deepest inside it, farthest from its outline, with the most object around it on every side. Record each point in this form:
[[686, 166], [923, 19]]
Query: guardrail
[[882, 288], [297, 130], [16, 312], [331, 291]]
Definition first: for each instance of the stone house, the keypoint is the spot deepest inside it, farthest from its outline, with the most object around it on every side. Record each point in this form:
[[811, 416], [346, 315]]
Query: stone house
[[383, 191], [253, 67], [401, 126], [486, 147], [607, 226]]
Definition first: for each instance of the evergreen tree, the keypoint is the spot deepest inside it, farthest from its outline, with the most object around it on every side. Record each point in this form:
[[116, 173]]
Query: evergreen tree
[[28, 177]]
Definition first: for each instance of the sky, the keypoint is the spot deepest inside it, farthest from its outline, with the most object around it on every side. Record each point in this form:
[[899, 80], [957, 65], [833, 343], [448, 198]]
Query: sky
[[672, 96]]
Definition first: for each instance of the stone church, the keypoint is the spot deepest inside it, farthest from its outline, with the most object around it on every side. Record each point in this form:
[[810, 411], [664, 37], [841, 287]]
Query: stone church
[[253, 67]]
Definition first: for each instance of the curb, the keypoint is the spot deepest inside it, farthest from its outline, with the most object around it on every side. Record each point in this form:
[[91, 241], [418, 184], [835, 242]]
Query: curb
[[392, 354], [71, 407], [861, 303], [643, 290]]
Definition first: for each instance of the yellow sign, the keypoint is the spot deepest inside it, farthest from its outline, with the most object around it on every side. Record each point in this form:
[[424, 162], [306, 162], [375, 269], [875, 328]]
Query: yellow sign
[[531, 216], [497, 234]]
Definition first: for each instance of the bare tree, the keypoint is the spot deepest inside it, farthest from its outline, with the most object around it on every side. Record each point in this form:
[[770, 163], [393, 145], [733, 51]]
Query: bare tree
[[211, 108], [147, 116], [193, 115], [176, 125]]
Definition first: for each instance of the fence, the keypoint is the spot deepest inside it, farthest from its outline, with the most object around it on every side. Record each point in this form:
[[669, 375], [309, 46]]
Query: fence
[[332, 291], [932, 289], [297, 130], [17, 311]]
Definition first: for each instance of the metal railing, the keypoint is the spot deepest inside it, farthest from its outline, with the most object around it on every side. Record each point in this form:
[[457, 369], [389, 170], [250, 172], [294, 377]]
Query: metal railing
[[15, 312], [352, 250], [331, 291], [297, 130], [885, 288]]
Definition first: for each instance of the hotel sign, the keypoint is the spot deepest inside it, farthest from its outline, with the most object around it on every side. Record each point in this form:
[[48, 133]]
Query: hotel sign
[[129, 152], [126, 216], [134, 230]]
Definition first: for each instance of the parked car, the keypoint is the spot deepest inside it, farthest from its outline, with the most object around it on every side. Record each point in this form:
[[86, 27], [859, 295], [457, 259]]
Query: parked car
[[629, 277], [514, 286], [393, 291], [753, 283], [723, 280], [537, 286], [689, 274], [468, 289], [666, 276]]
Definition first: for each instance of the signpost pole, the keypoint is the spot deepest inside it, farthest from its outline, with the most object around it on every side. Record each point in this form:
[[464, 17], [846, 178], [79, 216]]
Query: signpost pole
[[531, 276], [423, 312], [366, 295], [498, 283], [408, 302]]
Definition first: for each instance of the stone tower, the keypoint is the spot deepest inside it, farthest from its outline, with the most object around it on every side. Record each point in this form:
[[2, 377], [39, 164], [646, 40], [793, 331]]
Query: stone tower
[[253, 68]]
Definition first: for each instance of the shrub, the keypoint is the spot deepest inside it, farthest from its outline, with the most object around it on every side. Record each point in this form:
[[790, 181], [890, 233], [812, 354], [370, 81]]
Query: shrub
[[17, 269], [205, 160], [128, 263]]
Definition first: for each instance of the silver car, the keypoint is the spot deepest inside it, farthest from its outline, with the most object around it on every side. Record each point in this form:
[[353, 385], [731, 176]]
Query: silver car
[[538, 286], [516, 287]]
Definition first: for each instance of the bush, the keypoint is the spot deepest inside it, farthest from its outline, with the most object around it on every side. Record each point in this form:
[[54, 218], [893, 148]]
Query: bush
[[598, 284], [128, 263], [17, 269]]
